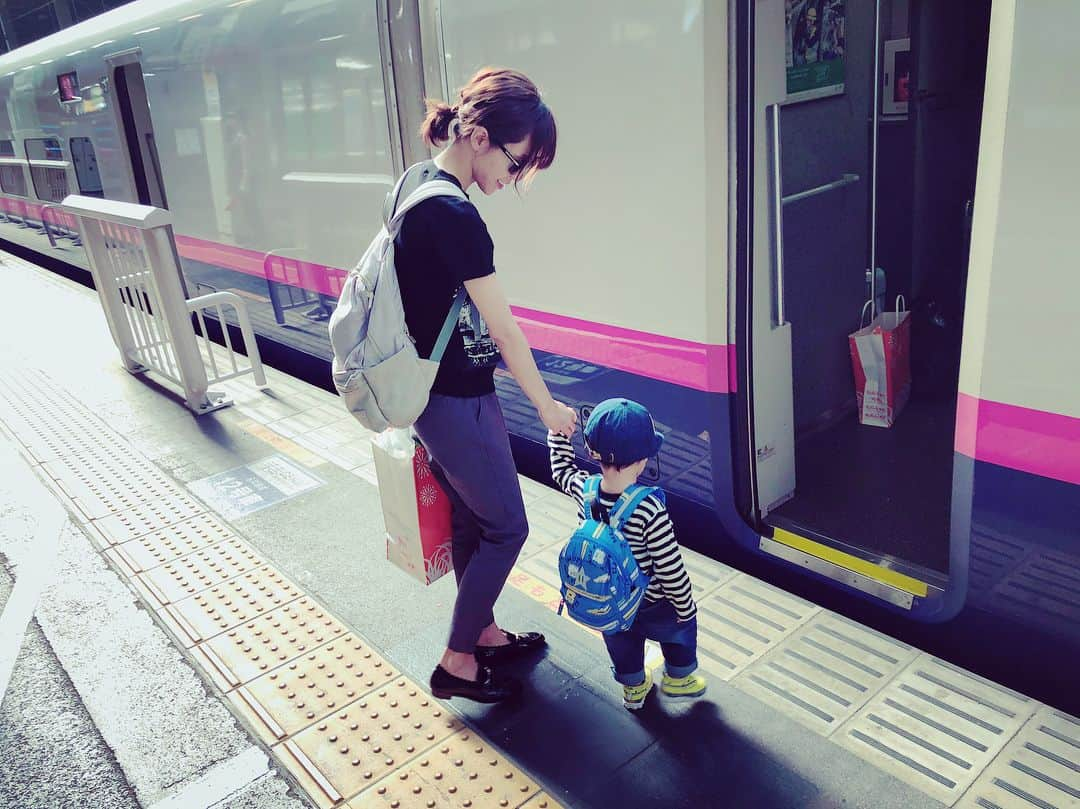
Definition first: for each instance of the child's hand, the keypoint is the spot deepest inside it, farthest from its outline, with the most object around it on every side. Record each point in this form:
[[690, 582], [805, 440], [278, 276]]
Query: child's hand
[[559, 418]]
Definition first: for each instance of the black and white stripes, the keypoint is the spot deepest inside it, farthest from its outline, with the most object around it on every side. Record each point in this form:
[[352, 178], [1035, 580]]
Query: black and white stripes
[[649, 531]]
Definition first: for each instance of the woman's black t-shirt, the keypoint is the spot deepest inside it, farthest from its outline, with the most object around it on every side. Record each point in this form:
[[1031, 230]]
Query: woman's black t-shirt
[[442, 243]]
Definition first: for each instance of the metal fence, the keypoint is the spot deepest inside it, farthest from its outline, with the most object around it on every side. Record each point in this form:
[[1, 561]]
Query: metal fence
[[136, 271]]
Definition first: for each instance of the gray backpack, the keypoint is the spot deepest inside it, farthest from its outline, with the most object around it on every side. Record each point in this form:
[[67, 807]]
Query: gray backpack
[[377, 371]]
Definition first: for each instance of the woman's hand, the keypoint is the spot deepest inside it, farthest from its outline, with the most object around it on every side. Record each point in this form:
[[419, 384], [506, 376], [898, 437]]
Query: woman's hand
[[488, 296], [559, 418]]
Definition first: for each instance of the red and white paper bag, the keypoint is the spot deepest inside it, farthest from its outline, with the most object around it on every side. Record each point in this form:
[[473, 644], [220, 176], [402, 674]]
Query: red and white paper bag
[[415, 508], [881, 363]]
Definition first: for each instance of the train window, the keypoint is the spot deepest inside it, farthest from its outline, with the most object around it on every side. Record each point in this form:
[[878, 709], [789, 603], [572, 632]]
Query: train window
[[86, 167], [43, 149], [12, 180], [7, 148]]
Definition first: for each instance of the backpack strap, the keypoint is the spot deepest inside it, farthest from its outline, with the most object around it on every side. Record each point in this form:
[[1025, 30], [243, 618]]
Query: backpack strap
[[590, 495], [394, 214], [443, 340], [432, 188], [627, 504], [392, 198]]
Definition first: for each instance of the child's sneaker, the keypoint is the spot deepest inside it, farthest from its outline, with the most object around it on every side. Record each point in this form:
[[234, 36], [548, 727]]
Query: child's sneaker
[[633, 696], [692, 685]]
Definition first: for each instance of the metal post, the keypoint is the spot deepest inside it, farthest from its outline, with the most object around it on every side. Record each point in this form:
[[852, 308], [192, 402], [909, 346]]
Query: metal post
[[175, 313], [136, 271], [772, 113], [874, 155], [109, 294]]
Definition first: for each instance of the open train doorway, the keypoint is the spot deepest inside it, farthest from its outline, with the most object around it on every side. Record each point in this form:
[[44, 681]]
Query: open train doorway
[[866, 143], [136, 126]]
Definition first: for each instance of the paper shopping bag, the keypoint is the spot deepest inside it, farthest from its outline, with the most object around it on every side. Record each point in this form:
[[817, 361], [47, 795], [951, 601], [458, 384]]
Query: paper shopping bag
[[881, 363], [415, 508]]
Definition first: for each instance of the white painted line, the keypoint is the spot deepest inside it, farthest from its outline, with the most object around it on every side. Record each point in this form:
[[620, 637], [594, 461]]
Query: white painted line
[[33, 575], [219, 782]]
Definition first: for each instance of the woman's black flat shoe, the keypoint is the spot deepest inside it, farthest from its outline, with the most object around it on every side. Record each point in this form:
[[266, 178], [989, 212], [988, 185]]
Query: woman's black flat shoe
[[487, 687], [519, 645]]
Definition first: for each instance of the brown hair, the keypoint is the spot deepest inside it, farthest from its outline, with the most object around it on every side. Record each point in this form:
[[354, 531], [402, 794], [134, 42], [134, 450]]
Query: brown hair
[[614, 467], [508, 105]]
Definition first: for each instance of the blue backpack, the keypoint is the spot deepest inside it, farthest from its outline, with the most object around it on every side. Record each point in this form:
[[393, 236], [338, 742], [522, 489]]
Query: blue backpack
[[602, 585]]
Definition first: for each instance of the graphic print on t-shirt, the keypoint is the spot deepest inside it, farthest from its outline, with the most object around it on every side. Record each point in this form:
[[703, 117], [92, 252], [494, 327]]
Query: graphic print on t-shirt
[[480, 348]]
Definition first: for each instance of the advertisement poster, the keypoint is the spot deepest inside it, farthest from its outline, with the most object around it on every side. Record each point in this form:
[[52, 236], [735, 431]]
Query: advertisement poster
[[814, 45]]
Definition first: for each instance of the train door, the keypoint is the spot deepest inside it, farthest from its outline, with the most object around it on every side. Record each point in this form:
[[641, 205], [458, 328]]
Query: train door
[[86, 168], [866, 126], [136, 126]]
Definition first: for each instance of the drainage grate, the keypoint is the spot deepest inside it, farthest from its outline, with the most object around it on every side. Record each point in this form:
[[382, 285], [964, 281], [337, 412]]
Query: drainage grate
[[230, 604], [1044, 589], [243, 653], [824, 672], [936, 726], [460, 771], [365, 741], [531, 490], [544, 566], [1040, 767], [991, 558], [293, 696], [706, 574], [560, 509], [743, 620], [545, 530], [198, 571]]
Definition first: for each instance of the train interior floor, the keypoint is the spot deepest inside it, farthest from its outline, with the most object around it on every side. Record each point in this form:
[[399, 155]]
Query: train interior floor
[[253, 537], [881, 490]]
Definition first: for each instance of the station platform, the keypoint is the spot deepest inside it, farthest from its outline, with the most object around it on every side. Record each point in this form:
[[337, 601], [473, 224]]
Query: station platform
[[216, 592]]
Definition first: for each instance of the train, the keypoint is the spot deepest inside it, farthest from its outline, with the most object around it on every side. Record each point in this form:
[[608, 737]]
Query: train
[[737, 184]]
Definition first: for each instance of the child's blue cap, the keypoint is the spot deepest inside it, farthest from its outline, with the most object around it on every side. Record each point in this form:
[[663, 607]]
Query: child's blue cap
[[621, 432]]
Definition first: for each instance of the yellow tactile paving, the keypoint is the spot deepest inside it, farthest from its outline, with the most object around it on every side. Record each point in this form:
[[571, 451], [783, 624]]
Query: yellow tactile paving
[[293, 696], [167, 544], [145, 518], [358, 745], [197, 571], [211, 612], [462, 771], [342, 720], [253, 648]]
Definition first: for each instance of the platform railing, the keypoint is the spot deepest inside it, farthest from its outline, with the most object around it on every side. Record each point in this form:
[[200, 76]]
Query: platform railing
[[63, 230], [136, 270]]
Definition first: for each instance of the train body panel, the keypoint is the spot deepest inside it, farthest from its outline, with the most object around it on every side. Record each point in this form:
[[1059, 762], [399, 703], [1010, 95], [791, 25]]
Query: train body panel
[[644, 263]]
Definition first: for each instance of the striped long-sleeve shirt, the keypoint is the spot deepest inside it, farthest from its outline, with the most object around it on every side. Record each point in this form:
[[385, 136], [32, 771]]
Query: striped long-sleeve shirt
[[649, 531]]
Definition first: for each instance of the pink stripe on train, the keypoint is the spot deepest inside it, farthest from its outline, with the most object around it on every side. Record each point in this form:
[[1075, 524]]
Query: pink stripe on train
[[682, 362], [1044, 444], [669, 359]]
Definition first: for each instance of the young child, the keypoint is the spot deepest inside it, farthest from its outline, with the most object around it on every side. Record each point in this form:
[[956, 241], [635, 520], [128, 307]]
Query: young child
[[620, 434]]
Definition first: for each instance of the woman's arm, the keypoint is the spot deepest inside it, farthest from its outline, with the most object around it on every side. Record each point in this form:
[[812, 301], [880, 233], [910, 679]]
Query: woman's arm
[[486, 293]]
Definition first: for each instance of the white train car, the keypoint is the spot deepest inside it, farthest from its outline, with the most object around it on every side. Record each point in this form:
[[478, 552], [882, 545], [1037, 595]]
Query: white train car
[[728, 174]]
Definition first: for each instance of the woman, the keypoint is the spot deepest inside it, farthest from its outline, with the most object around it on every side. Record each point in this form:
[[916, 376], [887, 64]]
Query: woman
[[500, 132]]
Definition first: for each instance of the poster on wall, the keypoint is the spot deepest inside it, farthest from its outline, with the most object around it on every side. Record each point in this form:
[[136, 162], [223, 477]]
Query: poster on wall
[[814, 45]]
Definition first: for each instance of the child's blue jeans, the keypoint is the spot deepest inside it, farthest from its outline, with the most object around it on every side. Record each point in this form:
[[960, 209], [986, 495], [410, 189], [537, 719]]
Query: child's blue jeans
[[656, 621]]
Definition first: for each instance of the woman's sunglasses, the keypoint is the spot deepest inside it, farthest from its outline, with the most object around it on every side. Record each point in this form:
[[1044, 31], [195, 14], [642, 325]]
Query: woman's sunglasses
[[516, 165]]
